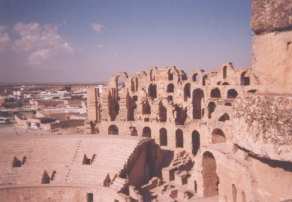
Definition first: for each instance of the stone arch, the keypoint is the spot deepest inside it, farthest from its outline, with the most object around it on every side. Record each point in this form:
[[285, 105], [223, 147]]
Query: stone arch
[[133, 131], [113, 104], [211, 109], [198, 95], [195, 77], [218, 136], [131, 106], [244, 79], [224, 117], [187, 91], [170, 88], [204, 80], [113, 130], [134, 84], [146, 132], [146, 108], [180, 115], [234, 193], [215, 93], [121, 79], [46, 178], [179, 138], [162, 112], [210, 177], [195, 142], [152, 91], [232, 93], [183, 76], [163, 137]]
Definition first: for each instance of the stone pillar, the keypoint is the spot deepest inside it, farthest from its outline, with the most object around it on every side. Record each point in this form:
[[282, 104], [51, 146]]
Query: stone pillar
[[272, 44], [91, 104]]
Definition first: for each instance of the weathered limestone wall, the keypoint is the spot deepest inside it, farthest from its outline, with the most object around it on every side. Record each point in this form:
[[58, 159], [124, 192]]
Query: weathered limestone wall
[[262, 125], [53, 193], [272, 44]]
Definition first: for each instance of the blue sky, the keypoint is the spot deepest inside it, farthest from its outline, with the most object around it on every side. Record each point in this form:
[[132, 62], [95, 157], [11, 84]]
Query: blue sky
[[89, 40]]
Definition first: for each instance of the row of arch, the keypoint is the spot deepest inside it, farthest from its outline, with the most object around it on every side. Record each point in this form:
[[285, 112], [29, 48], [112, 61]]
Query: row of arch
[[218, 136]]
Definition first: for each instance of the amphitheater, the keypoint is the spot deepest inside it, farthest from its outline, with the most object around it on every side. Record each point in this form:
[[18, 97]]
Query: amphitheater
[[165, 135]]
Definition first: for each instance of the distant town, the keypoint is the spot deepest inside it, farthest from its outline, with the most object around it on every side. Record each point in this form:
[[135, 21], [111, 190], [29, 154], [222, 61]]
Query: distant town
[[40, 108]]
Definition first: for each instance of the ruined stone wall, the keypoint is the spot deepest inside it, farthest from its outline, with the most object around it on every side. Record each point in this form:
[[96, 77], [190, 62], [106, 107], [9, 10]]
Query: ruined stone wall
[[272, 44]]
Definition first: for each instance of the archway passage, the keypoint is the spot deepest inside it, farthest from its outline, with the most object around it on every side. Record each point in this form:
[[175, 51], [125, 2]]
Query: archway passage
[[163, 137], [210, 178], [162, 113], [215, 93], [187, 91], [146, 132], [152, 91], [133, 131], [218, 136], [170, 88], [244, 80], [195, 142], [232, 93], [179, 138], [211, 109], [198, 96], [146, 108], [113, 130]]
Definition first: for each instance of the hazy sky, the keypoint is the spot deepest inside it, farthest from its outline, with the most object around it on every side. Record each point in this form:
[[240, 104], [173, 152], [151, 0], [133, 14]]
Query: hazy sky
[[89, 40]]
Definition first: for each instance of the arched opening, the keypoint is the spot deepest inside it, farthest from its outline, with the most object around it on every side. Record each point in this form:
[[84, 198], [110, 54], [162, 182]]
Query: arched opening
[[215, 93], [225, 84], [134, 84], [195, 142], [218, 136], [210, 178], [187, 91], [113, 104], [133, 131], [131, 106], [195, 77], [234, 193], [163, 137], [179, 138], [224, 72], [152, 91], [146, 132], [224, 117], [198, 95], [183, 76], [244, 80], [180, 115], [113, 130], [232, 93], [162, 113], [170, 88], [146, 109], [211, 109], [46, 178], [204, 80]]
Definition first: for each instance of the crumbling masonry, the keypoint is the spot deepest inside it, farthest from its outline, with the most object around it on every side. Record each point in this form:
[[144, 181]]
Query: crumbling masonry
[[234, 123]]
